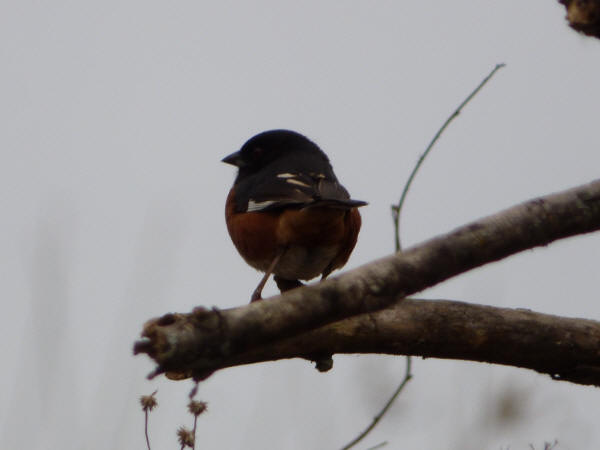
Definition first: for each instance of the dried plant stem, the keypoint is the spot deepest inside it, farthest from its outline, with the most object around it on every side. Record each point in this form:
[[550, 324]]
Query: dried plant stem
[[146, 429], [148, 403], [194, 432]]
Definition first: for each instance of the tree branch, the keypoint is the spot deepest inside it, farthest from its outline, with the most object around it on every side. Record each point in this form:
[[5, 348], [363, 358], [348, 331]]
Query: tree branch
[[203, 341], [564, 348]]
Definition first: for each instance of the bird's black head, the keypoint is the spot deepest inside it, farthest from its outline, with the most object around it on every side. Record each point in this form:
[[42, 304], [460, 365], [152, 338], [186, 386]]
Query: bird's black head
[[270, 146]]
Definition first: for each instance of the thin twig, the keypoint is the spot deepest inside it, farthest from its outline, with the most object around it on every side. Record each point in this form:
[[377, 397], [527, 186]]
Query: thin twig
[[378, 446], [396, 211], [397, 208], [377, 418]]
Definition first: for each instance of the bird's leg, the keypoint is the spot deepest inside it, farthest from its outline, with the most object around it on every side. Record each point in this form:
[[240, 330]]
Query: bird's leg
[[256, 295], [286, 285]]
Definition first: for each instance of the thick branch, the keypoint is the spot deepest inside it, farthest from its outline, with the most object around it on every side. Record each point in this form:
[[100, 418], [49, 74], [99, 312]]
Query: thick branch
[[203, 341], [564, 348]]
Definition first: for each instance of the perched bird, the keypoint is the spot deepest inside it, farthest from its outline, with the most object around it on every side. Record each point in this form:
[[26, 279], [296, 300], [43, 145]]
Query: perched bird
[[286, 213]]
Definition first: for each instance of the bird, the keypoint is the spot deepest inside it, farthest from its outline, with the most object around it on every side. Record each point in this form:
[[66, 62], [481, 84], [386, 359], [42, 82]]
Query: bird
[[287, 214]]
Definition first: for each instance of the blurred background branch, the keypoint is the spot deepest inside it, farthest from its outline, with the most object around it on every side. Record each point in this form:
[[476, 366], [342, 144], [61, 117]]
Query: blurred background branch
[[584, 16]]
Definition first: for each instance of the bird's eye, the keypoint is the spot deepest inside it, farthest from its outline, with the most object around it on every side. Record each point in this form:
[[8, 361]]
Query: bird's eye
[[257, 152]]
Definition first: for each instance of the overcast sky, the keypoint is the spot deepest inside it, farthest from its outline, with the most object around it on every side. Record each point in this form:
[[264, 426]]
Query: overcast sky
[[115, 116]]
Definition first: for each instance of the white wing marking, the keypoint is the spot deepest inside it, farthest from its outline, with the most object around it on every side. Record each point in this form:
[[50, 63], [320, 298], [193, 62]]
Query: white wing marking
[[258, 206], [297, 182]]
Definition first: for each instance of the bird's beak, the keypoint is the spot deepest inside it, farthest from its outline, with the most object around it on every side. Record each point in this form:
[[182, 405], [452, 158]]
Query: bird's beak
[[234, 159]]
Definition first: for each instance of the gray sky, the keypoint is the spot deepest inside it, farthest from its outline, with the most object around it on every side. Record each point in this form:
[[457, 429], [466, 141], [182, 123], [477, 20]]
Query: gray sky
[[115, 116]]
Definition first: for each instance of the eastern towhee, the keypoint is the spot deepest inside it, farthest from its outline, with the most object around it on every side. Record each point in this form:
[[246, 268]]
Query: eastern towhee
[[286, 213]]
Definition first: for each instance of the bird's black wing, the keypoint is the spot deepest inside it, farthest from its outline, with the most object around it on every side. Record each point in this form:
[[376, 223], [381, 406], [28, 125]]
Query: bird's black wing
[[292, 189]]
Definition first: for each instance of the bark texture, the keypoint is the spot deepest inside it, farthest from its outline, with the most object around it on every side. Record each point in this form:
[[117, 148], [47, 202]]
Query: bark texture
[[564, 348], [203, 341]]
